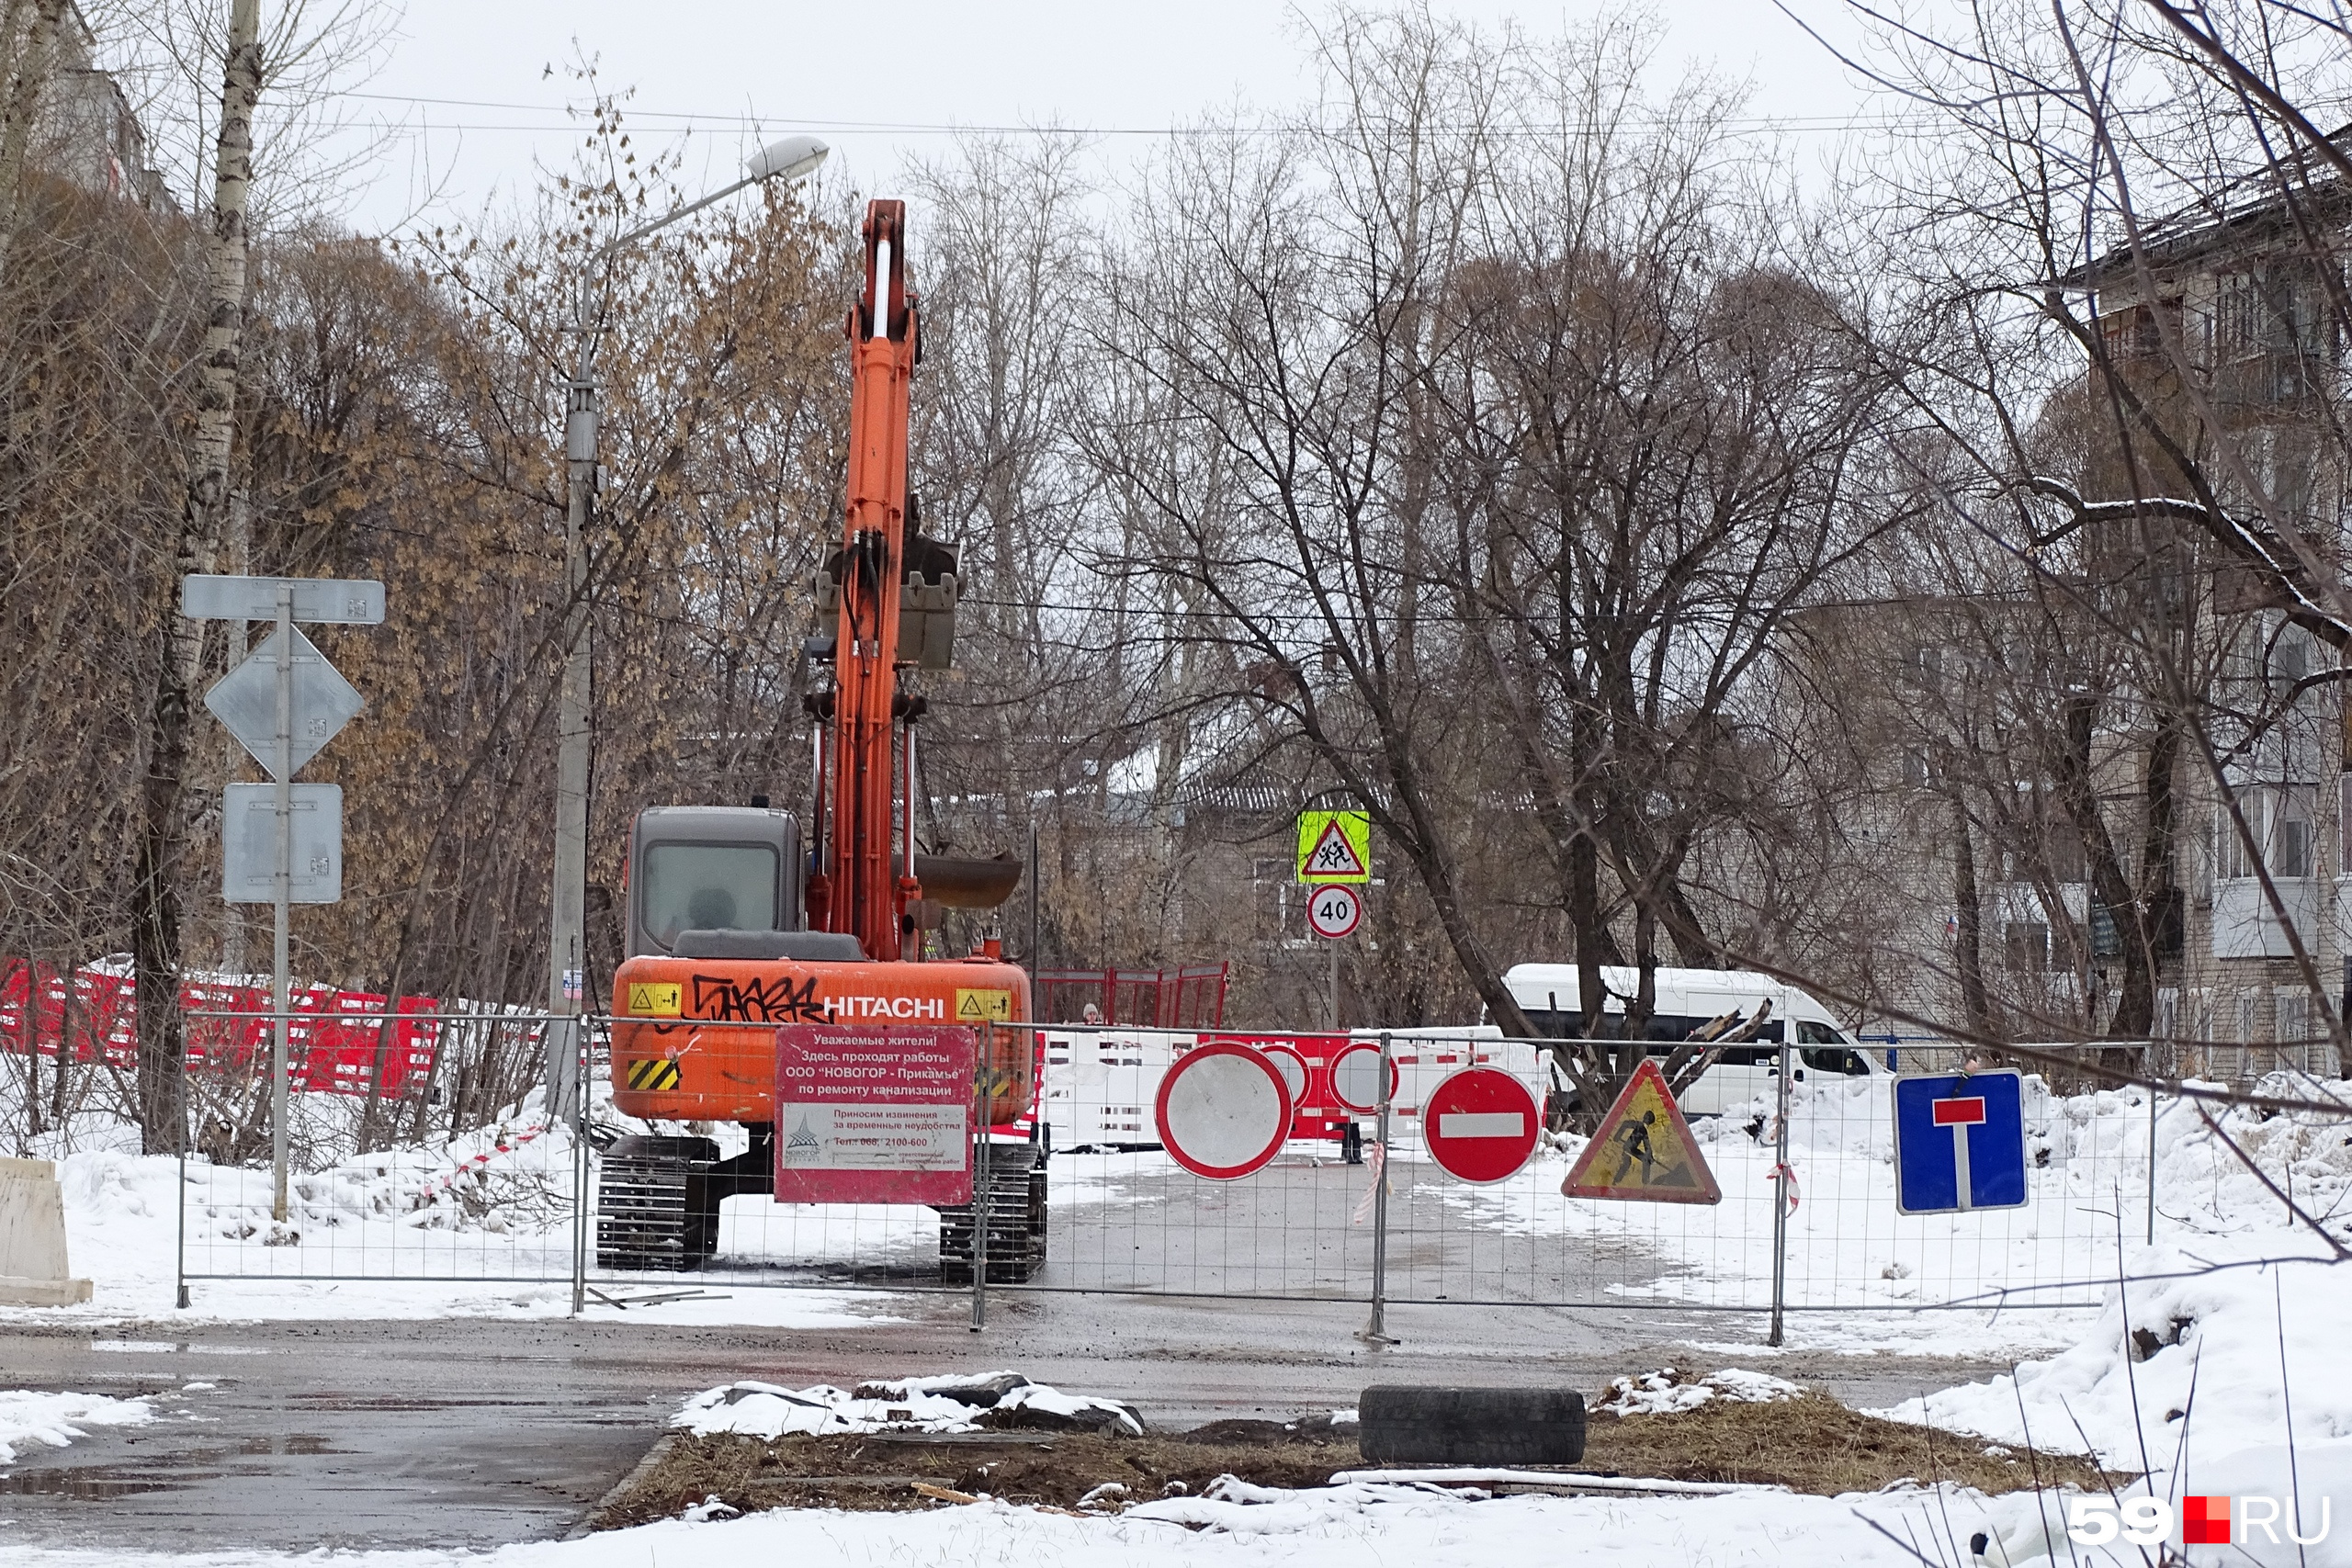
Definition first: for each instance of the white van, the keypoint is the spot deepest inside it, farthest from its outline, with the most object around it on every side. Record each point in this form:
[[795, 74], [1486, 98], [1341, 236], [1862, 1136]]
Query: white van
[[1689, 999]]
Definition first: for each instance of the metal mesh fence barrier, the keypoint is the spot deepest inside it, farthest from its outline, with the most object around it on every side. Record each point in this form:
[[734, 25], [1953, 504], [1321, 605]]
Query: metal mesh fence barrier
[[1332, 1213]]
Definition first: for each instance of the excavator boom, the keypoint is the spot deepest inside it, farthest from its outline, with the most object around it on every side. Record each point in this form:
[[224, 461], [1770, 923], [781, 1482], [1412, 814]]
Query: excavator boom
[[860, 887]]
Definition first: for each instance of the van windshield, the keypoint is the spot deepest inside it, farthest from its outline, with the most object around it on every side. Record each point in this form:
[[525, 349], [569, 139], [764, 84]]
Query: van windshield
[[1665, 1027]]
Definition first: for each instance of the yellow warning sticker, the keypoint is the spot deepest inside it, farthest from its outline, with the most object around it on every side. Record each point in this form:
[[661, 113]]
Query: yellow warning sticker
[[654, 1075], [653, 998], [1644, 1151], [983, 1007]]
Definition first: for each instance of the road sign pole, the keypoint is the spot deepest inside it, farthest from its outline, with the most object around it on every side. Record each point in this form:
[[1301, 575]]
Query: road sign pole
[[1376, 1331], [284, 767], [566, 903], [1781, 1191]]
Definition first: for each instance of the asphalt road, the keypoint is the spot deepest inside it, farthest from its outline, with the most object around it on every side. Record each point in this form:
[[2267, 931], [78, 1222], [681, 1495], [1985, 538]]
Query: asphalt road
[[473, 1433]]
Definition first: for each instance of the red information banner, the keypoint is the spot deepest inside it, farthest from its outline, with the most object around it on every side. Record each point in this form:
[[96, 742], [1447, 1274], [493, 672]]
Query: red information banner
[[874, 1113]]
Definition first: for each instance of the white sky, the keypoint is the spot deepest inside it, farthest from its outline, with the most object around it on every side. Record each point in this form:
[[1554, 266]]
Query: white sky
[[870, 77]]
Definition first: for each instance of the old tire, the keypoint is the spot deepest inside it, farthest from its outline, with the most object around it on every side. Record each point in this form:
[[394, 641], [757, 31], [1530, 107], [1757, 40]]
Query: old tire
[[1470, 1425]]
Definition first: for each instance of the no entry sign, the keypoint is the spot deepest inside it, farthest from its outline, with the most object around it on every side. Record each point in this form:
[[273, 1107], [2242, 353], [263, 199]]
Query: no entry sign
[[1481, 1124], [1223, 1111], [874, 1113]]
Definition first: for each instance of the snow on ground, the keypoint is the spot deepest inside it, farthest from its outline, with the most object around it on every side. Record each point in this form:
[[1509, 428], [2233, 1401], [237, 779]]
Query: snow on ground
[[2199, 1373], [480, 1228], [947, 1404], [54, 1420], [1249, 1526], [1666, 1392], [1984, 1283]]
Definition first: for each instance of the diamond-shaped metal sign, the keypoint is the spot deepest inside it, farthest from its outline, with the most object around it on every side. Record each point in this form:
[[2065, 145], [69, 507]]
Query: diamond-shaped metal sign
[[248, 844], [245, 700]]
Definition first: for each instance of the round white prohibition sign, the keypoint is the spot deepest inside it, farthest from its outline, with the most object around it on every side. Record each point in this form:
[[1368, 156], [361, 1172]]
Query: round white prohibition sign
[[1292, 1067], [1223, 1111], [1480, 1125], [1334, 910], [1355, 1078]]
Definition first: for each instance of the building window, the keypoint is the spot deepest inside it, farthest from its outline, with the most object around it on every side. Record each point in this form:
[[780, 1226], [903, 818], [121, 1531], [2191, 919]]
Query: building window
[[2279, 818], [2027, 943], [2292, 1012], [2290, 834]]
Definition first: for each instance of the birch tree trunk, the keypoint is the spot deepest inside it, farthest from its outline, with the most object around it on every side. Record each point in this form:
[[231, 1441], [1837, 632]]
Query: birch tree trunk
[[155, 915], [25, 70]]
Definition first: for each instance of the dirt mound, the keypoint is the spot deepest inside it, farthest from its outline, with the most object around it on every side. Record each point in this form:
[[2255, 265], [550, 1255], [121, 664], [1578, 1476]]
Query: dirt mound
[[1810, 1443]]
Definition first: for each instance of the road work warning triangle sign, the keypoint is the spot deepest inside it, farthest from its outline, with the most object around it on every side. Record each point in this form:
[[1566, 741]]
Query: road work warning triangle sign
[[1644, 1150]]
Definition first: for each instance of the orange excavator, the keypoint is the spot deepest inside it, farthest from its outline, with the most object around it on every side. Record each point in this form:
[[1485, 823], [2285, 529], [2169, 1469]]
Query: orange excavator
[[736, 934]]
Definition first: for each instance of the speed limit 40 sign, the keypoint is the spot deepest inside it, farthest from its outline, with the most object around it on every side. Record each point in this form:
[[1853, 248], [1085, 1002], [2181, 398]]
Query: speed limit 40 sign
[[1334, 910]]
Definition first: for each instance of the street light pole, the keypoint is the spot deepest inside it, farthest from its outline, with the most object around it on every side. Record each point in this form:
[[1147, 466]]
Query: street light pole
[[793, 159]]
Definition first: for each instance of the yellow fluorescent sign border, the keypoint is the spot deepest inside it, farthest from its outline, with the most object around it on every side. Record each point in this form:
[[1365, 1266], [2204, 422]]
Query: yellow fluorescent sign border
[[1355, 831]]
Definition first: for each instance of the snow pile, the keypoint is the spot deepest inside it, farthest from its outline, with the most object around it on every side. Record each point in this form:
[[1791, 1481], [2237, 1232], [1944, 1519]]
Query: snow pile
[[1339, 1527], [2192, 1374], [1667, 1392], [56, 1420], [949, 1403]]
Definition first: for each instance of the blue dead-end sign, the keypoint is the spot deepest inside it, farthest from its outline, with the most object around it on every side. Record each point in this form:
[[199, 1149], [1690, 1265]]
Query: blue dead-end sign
[[1958, 1142]]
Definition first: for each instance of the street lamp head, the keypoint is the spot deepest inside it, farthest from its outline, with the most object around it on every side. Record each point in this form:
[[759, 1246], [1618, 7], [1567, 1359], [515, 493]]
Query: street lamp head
[[794, 157]]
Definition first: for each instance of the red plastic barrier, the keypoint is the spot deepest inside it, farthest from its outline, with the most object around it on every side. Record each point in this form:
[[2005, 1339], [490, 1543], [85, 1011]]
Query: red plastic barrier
[[333, 1044]]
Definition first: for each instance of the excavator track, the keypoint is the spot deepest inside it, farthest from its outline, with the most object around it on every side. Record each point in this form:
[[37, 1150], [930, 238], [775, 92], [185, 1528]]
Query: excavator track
[[1012, 1205], [646, 1211]]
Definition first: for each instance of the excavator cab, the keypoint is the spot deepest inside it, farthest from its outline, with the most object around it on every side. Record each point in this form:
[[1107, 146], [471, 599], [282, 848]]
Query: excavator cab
[[698, 870]]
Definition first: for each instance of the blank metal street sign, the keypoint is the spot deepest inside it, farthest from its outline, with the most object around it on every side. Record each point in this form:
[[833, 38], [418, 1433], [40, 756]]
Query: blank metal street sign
[[245, 700], [248, 844], [351, 601]]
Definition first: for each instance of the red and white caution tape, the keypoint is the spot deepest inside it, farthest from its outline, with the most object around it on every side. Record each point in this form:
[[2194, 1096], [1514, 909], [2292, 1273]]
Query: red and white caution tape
[[1376, 1159], [473, 1166]]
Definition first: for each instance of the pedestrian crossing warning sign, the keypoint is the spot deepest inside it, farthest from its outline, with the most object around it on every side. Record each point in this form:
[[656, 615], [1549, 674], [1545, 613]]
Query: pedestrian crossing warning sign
[[1334, 846], [1644, 1151]]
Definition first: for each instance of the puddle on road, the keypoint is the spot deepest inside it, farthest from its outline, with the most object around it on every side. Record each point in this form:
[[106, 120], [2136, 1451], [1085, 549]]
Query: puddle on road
[[96, 1484], [292, 1443], [391, 1402]]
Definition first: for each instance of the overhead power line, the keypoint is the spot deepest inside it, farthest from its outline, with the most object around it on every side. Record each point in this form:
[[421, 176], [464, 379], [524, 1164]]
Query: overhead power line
[[575, 118]]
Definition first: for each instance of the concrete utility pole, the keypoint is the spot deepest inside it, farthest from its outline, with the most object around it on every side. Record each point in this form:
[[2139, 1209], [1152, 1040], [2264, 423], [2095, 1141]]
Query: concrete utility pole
[[792, 159]]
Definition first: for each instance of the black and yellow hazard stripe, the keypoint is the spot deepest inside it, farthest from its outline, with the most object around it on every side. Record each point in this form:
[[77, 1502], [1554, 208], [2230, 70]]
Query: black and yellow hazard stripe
[[652, 1075]]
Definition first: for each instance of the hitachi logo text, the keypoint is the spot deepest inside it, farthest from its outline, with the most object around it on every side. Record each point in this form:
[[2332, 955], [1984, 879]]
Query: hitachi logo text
[[886, 1007]]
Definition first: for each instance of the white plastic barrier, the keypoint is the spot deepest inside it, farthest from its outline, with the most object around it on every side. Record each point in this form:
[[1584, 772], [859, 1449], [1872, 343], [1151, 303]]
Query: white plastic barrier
[[33, 1271]]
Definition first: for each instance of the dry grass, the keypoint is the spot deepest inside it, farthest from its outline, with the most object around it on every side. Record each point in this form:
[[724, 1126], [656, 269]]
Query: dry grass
[[1812, 1443], [1809, 1444]]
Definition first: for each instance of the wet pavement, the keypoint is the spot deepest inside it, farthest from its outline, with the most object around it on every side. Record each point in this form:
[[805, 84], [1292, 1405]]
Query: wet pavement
[[472, 1433]]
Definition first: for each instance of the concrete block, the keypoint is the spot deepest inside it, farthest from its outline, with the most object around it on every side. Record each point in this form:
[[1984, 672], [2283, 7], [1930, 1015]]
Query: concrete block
[[33, 1270]]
